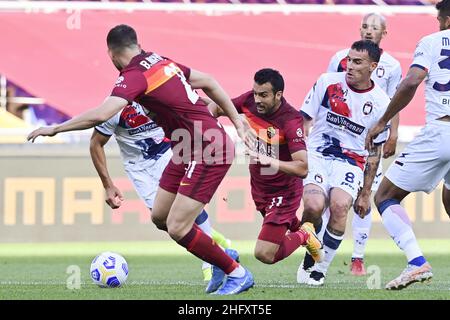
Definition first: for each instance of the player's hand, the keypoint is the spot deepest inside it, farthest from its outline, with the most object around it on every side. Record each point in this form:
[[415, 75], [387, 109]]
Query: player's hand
[[114, 197], [42, 131], [362, 204], [373, 133], [246, 132], [389, 147]]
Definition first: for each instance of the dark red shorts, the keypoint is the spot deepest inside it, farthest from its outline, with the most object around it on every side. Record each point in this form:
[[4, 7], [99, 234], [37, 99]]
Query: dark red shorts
[[198, 181], [280, 208]]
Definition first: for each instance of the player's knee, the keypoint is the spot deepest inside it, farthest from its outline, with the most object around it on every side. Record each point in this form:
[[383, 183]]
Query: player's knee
[[339, 209], [314, 207], [265, 256], [177, 230], [159, 223]]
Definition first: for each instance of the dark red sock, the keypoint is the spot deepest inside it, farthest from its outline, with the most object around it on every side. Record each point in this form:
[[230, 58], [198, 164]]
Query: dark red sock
[[291, 242], [202, 246]]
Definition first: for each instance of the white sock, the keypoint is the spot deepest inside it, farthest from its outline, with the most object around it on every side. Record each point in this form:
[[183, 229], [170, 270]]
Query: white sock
[[361, 228], [206, 227], [205, 265], [331, 243], [238, 272], [325, 219], [397, 223]]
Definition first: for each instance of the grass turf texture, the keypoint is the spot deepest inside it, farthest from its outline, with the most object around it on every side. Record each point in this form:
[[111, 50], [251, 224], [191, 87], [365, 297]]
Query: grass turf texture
[[165, 271]]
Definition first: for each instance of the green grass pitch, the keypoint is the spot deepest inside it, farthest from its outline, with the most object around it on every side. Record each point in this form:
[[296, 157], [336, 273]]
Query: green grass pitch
[[165, 271]]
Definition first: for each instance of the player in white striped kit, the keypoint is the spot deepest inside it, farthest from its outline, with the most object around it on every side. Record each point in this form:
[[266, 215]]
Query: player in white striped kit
[[387, 75], [425, 162], [343, 106], [145, 152]]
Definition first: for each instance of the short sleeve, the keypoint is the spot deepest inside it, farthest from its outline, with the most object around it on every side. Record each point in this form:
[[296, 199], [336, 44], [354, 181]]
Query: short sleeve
[[130, 85], [394, 81], [312, 101], [383, 136], [184, 69], [333, 65], [294, 135], [239, 102], [108, 127], [423, 54]]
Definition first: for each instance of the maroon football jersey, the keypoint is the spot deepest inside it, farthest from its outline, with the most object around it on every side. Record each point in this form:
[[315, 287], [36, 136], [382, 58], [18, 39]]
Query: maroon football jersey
[[280, 134], [161, 86]]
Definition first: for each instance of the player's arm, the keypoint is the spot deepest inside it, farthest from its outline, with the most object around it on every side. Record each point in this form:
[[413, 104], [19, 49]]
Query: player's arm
[[114, 196], [215, 110], [86, 120], [298, 166], [362, 203], [400, 100]]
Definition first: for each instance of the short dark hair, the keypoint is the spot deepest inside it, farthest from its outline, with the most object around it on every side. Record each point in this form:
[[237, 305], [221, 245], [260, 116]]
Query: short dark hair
[[121, 37], [272, 76], [373, 50], [444, 8]]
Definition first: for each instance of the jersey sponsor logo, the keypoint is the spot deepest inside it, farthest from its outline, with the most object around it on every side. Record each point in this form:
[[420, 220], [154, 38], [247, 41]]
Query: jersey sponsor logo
[[119, 83], [120, 79], [145, 127], [380, 72], [367, 108], [299, 132], [335, 100], [345, 123]]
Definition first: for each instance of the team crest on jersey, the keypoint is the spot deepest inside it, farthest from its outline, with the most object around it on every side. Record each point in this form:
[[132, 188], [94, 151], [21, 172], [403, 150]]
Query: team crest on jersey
[[367, 108], [335, 99], [318, 178], [299, 132], [271, 132], [380, 72]]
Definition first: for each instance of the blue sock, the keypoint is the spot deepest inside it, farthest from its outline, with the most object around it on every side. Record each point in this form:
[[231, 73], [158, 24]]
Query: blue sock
[[202, 217], [418, 261]]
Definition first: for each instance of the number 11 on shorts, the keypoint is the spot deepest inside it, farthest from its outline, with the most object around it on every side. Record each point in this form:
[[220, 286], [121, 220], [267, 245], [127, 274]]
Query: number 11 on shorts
[[276, 202]]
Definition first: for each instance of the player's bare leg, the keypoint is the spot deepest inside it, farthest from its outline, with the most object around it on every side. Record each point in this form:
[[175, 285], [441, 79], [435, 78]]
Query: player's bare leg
[[340, 203], [161, 208], [181, 228], [265, 251], [397, 223]]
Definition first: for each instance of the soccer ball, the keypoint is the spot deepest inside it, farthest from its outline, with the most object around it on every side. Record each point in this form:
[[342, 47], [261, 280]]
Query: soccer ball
[[109, 269]]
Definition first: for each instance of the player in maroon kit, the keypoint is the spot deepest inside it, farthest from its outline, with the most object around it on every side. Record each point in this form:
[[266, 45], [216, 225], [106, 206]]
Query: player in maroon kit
[[281, 163], [202, 150]]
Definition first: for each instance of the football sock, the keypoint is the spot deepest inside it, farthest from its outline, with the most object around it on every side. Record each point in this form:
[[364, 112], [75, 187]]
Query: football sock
[[361, 228], [201, 245], [331, 243], [397, 223], [239, 272], [290, 243], [323, 227], [203, 223]]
